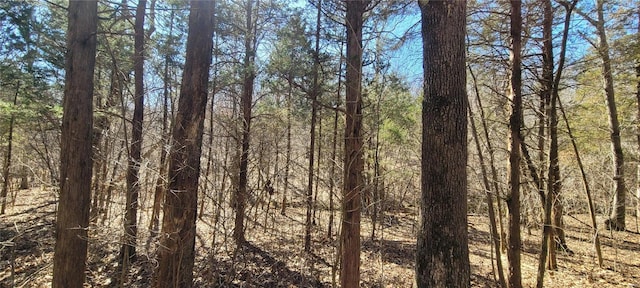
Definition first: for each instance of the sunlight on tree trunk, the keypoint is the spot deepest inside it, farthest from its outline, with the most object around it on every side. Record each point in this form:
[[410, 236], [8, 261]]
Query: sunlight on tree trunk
[[442, 257], [515, 124], [69, 260], [353, 161], [177, 255]]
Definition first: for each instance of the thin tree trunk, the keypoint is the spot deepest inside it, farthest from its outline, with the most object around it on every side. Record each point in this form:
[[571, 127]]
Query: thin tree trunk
[[210, 158], [314, 111], [69, 260], [485, 178], [587, 190], [128, 250], [288, 153], [246, 103], [547, 253], [176, 256], [7, 161], [318, 164], [442, 256], [616, 220], [334, 141], [353, 161], [494, 172], [161, 181], [515, 123]]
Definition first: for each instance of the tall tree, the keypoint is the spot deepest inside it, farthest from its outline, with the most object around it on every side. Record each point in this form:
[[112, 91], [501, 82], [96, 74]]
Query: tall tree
[[547, 253], [616, 220], [69, 260], [442, 258], [128, 250], [315, 91], [177, 254], [353, 158], [7, 161], [515, 124], [246, 101]]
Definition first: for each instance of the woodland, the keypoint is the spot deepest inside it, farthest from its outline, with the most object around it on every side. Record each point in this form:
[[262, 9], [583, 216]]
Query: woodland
[[319, 143]]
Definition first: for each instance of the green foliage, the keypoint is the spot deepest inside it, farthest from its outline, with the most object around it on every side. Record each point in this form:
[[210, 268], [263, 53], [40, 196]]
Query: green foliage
[[399, 110]]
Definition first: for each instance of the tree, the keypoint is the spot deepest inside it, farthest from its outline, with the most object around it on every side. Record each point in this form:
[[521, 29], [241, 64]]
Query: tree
[[7, 162], [315, 93], [353, 160], [442, 258], [176, 257], [76, 164], [616, 220], [128, 251], [246, 101], [548, 103], [515, 124]]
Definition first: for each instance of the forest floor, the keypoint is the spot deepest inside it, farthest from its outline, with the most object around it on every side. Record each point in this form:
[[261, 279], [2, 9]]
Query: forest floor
[[274, 256]]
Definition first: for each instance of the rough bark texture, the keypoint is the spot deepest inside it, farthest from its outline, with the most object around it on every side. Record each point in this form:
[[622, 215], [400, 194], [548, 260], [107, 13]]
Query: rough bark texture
[[353, 161], [246, 103], [515, 123], [638, 127], [176, 256], [128, 252], [76, 162], [442, 258]]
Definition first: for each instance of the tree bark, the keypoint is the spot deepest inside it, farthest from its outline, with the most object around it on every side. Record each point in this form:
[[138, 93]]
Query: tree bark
[[442, 258], [332, 170], [246, 103], [515, 124], [312, 130], [176, 256], [69, 260], [128, 250], [547, 253], [638, 126], [616, 220], [7, 161], [353, 158]]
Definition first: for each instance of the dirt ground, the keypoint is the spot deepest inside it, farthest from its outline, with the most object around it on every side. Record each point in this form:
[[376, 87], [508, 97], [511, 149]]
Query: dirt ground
[[274, 256]]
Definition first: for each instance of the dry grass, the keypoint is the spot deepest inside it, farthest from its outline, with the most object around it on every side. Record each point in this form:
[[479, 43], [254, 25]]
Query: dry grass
[[274, 257]]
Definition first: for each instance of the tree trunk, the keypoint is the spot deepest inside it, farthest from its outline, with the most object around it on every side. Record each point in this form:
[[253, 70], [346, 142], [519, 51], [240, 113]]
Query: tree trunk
[[638, 126], [246, 103], [176, 256], [128, 250], [288, 153], [547, 249], [7, 161], [312, 131], [353, 161], [161, 183], [69, 260], [616, 220], [569, 7], [485, 178], [210, 156], [442, 257], [332, 170], [515, 123]]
